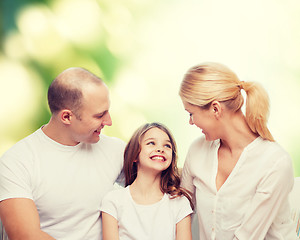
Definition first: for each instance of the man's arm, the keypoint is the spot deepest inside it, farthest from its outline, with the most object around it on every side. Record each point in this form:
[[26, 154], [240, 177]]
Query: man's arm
[[21, 220]]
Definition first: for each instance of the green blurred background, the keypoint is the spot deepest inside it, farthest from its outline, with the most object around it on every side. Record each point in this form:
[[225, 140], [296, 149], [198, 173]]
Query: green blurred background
[[141, 49]]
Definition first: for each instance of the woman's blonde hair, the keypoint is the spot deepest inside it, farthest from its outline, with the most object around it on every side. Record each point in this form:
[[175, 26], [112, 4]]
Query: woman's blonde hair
[[208, 82]]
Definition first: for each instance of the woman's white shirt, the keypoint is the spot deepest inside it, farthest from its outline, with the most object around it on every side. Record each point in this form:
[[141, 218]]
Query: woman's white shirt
[[253, 201]]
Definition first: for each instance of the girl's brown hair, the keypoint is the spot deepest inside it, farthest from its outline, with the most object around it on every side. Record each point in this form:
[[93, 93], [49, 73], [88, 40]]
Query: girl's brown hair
[[208, 82], [170, 180]]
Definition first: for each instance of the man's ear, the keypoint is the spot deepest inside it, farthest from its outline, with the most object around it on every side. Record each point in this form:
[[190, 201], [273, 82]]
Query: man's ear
[[66, 116], [216, 108]]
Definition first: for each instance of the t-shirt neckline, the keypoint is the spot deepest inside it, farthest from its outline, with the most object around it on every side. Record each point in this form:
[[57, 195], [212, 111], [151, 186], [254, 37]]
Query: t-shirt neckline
[[144, 205]]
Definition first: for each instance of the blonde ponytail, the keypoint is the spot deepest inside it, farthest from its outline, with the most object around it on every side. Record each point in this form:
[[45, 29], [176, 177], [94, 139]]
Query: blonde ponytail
[[208, 82], [257, 109]]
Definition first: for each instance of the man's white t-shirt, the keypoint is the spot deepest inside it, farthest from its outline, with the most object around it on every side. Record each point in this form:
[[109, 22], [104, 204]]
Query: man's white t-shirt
[[145, 222], [66, 183]]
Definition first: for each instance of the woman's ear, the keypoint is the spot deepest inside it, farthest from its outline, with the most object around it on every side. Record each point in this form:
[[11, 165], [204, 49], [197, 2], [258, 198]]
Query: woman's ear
[[66, 116], [216, 108]]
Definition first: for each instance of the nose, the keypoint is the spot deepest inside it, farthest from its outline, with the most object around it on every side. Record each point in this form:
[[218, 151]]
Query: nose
[[159, 150], [107, 120]]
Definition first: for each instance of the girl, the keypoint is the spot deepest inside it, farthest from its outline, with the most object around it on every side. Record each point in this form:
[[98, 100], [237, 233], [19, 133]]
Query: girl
[[153, 205], [239, 175]]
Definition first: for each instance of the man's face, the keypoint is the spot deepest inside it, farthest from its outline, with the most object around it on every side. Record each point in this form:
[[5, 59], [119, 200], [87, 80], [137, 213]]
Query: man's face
[[94, 115]]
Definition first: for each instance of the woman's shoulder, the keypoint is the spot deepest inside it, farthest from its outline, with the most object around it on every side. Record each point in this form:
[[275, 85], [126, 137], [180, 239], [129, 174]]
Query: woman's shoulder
[[271, 155], [201, 145], [269, 148]]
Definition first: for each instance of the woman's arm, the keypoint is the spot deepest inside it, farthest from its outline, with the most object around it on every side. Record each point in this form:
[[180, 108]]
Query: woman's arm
[[186, 179], [110, 229], [270, 194], [183, 229]]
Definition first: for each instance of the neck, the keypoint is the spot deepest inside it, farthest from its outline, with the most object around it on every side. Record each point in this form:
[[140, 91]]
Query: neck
[[237, 134], [146, 188], [57, 132]]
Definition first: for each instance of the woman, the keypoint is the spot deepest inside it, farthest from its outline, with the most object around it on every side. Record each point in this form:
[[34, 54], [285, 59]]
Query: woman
[[239, 175]]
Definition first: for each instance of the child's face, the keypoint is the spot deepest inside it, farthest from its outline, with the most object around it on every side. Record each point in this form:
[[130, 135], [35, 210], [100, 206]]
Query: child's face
[[156, 151]]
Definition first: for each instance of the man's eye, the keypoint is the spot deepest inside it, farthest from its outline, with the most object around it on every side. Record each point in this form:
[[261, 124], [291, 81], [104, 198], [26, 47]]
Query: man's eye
[[101, 115]]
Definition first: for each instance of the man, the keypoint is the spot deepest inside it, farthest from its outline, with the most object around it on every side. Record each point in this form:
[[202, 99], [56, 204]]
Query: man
[[52, 182]]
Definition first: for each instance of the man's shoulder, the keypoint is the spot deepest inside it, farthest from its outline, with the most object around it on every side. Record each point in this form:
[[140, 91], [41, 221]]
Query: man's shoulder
[[25, 144], [108, 141], [111, 147]]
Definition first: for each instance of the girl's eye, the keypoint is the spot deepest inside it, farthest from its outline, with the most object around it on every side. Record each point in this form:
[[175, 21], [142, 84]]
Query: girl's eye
[[168, 146], [191, 114], [150, 143]]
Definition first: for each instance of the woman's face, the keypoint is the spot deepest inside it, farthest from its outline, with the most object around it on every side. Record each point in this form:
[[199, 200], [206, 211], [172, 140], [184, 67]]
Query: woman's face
[[204, 119]]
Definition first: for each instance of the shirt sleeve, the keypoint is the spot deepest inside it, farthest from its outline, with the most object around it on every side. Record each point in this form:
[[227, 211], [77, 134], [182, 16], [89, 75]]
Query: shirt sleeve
[[187, 178], [15, 181], [109, 204], [184, 208], [270, 194]]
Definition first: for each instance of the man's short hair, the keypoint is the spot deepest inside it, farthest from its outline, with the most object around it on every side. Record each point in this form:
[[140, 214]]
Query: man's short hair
[[65, 92]]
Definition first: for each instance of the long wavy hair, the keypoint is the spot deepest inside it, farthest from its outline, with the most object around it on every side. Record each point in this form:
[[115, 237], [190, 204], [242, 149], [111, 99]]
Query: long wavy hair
[[207, 82], [170, 180]]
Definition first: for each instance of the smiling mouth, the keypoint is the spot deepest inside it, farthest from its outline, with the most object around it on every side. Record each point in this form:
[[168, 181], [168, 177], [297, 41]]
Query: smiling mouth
[[97, 131], [158, 158]]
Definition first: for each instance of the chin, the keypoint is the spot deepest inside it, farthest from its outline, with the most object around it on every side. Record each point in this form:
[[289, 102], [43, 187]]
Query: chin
[[95, 141], [92, 140]]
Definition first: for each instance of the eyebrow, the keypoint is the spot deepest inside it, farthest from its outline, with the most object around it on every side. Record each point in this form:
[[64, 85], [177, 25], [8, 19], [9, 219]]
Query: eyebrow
[[155, 139]]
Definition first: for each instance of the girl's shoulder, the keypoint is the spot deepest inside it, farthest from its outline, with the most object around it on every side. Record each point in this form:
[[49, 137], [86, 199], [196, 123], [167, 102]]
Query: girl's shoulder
[[180, 200], [180, 206], [116, 193]]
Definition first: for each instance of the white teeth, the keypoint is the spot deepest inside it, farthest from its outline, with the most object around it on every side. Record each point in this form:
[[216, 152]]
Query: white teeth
[[157, 158]]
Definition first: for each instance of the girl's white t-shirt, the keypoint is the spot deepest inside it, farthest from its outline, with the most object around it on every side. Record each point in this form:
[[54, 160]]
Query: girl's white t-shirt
[[156, 221]]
